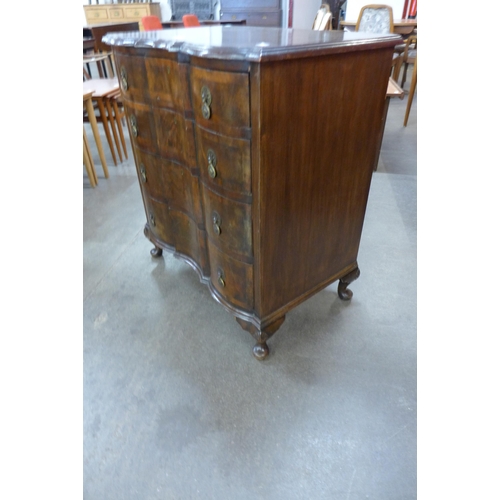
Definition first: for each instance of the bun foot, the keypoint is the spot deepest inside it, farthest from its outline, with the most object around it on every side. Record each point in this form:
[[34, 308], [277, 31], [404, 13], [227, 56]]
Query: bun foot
[[261, 351], [156, 252], [343, 291]]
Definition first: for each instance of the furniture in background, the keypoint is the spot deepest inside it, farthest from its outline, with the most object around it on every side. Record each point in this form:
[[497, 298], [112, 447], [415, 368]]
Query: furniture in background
[[204, 9], [180, 24], [190, 20], [151, 23], [104, 91], [375, 18], [89, 110], [323, 19], [120, 12], [88, 161], [256, 12], [402, 27], [413, 86], [245, 173], [409, 56]]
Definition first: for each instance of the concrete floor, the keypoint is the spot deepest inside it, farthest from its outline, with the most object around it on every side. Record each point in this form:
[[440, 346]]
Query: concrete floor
[[176, 406]]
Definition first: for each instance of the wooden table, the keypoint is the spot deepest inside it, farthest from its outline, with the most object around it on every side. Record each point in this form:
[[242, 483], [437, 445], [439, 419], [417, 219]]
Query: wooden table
[[179, 24], [97, 31], [403, 27]]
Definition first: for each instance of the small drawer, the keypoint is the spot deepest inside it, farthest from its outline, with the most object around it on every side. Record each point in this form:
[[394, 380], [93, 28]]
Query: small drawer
[[159, 221], [115, 13], [167, 83], [221, 100], [132, 75], [136, 12], [173, 139], [96, 14], [141, 125], [228, 224], [224, 162], [170, 183], [231, 278]]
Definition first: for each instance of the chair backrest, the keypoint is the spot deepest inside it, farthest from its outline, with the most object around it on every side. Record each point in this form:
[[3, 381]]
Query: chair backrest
[[375, 18], [324, 19], [150, 23], [190, 20]]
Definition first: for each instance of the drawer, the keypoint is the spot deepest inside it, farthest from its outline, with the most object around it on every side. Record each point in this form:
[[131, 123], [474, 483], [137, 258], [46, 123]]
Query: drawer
[[159, 221], [173, 135], [166, 83], [221, 100], [136, 12], [262, 18], [141, 125], [170, 183], [224, 162], [115, 13], [132, 75], [231, 278], [96, 14], [228, 224]]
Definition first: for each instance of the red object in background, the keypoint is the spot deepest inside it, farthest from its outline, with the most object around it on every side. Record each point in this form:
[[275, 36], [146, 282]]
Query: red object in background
[[405, 10], [412, 14]]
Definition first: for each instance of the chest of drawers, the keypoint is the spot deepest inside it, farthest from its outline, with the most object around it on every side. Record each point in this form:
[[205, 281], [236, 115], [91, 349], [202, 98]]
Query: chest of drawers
[[254, 150]]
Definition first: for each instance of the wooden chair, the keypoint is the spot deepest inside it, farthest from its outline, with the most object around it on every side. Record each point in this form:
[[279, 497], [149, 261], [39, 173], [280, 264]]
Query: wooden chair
[[408, 57], [324, 19], [104, 90], [151, 23], [190, 20], [88, 161], [375, 18], [89, 108], [413, 86]]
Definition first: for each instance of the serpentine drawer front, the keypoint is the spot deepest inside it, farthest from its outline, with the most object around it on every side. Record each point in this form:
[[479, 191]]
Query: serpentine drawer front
[[254, 150]]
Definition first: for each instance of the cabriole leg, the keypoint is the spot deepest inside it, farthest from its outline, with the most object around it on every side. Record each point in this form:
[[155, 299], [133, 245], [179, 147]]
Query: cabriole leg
[[343, 291]]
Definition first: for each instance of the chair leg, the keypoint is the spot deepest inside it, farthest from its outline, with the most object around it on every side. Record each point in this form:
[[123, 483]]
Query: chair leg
[[88, 161], [97, 137], [112, 122], [412, 91], [118, 118], [105, 124]]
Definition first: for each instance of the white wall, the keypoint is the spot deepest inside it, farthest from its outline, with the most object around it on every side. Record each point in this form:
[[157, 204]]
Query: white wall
[[354, 6], [304, 12]]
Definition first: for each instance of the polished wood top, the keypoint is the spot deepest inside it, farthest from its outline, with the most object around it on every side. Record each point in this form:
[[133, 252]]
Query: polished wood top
[[250, 43]]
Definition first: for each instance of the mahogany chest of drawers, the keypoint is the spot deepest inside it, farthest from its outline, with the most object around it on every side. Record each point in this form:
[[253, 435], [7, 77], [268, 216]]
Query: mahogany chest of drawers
[[255, 149]]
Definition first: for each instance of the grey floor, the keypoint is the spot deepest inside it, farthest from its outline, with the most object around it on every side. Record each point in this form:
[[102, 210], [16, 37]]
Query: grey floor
[[176, 406]]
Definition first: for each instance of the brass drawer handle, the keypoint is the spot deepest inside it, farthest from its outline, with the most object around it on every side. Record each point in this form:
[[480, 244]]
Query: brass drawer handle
[[133, 125], [216, 223], [221, 278], [142, 168], [206, 101], [123, 75], [212, 163], [152, 219]]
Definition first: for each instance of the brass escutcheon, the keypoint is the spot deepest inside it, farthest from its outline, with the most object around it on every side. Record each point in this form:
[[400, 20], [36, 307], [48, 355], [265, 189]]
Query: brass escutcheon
[[133, 125], [216, 222], [123, 73], [220, 278], [142, 168], [212, 162], [206, 101]]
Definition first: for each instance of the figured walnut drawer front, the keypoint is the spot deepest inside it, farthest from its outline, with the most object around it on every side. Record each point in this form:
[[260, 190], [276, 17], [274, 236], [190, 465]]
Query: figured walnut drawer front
[[231, 278], [133, 78], [228, 224], [141, 125], [224, 162], [170, 183], [221, 100], [159, 220]]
